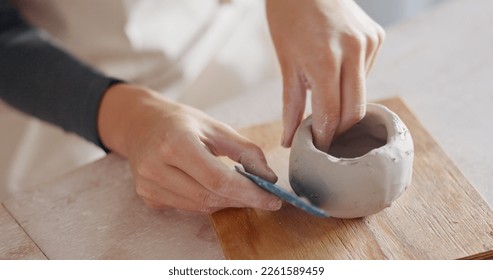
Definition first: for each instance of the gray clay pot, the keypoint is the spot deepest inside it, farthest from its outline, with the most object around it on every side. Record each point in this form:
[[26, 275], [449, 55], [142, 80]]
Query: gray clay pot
[[364, 171]]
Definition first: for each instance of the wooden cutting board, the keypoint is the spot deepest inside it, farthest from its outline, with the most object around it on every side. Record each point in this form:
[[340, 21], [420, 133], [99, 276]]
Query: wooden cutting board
[[440, 216]]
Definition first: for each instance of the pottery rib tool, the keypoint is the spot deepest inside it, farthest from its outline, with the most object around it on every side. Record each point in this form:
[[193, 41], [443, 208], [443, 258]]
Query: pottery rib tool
[[284, 194]]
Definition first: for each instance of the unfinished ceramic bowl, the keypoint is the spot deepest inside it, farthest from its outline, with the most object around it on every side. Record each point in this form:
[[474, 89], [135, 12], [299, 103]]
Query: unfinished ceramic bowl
[[364, 171]]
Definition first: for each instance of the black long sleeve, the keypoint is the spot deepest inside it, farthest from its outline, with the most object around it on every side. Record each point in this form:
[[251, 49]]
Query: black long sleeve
[[42, 80]]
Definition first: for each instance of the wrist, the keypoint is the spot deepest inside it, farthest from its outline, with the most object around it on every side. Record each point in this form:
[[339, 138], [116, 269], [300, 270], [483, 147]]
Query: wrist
[[120, 111]]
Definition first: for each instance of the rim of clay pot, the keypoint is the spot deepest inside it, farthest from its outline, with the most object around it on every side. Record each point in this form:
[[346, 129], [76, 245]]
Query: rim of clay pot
[[392, 122]]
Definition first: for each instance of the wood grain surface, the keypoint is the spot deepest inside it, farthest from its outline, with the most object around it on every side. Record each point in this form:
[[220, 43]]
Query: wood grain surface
[[94, 213], [440, 216], [15, 244]]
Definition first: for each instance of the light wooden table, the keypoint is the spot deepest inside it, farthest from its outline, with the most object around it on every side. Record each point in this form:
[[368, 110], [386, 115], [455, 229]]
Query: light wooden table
[[15, 243], [440, 63]]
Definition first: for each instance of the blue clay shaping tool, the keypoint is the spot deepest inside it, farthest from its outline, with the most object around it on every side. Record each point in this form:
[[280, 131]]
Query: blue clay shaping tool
[[284, 194]]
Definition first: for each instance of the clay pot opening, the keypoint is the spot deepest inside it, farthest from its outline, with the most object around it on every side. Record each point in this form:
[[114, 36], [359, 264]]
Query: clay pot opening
[[368, 134]]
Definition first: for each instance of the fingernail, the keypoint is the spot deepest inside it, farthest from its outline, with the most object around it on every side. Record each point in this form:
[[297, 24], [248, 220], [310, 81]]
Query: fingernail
[[268, 174], [275, 204], [272, 176], [283, 141], [319, 139]]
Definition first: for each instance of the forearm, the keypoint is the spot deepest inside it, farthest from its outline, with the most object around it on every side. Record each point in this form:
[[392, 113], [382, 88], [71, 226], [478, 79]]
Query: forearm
[[46, 82]]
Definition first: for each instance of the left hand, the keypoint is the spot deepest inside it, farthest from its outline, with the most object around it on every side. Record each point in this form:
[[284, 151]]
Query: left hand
[[172, 148], [327, 46]]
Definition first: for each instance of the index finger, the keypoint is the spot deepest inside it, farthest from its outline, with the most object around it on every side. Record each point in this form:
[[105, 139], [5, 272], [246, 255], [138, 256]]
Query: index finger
[[215, 176]]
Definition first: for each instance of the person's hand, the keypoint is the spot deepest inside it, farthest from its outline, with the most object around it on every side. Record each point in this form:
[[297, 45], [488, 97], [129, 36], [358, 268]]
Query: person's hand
[[172, 153], [327, 46]]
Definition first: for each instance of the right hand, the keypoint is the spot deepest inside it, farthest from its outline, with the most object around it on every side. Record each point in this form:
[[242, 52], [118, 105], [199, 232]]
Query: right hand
[[327, 46], [172, 151]]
